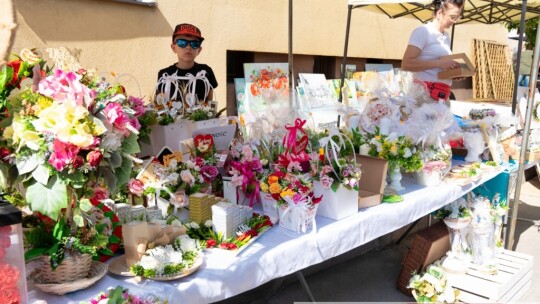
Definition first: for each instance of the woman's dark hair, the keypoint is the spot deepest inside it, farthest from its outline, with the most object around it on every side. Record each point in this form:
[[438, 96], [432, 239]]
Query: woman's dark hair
[[439, 4]]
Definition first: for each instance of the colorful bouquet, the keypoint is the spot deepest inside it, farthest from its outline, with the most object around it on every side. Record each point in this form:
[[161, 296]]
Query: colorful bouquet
[[120, 295], [336, 162], [432, 286], [398, 150], [246, 172], [210, 239]]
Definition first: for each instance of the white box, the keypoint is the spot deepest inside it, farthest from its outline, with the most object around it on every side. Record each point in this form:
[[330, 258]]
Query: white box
[[298, 219], [336, 205]]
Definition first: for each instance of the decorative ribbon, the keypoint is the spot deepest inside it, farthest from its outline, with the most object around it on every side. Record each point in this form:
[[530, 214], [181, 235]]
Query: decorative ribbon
[[302, 210], [326, 142], [192, 82], [166, 81], [289, 141]]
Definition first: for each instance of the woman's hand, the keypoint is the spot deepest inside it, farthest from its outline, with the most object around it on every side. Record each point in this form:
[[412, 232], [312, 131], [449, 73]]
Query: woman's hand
[[447, 64], [458, 78]]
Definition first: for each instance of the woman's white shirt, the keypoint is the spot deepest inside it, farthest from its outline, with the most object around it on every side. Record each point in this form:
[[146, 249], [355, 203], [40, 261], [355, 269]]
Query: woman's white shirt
[[433, 45]]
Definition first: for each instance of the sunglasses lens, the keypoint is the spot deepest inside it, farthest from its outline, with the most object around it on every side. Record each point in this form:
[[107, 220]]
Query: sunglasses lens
[[195, 44], [182, 43]]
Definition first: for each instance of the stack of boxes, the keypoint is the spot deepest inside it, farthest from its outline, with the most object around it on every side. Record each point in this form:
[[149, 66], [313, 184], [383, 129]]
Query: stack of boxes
[[226, 217], [200, 207]]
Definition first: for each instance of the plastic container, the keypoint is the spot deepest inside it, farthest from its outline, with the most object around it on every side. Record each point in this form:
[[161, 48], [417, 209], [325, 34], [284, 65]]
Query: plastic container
[[12, 270]]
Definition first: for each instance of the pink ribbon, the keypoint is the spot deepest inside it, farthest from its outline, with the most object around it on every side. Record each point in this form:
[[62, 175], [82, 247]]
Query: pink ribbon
[[289, 141], [431, 166]]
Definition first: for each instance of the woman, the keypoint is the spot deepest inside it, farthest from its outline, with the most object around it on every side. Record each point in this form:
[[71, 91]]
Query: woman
[[428, 43]]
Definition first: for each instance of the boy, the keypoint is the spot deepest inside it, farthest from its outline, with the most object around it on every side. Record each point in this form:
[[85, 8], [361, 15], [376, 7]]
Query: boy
[[186, 44]]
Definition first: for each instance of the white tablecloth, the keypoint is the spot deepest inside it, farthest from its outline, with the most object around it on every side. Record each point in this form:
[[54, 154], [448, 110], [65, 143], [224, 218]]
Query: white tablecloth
[[278, 253]]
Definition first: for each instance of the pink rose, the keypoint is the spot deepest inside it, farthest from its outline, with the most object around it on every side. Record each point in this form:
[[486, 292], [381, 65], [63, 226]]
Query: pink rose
[[116, 116], [187, 177], [101, 193], [247, 153], [63, 154], [94, 158], [326, 181], [137, 105], [237, 180], [136, 186], [209, 173]]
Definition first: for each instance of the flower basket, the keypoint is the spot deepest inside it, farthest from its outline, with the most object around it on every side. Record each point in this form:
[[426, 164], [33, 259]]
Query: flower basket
[[298, 218], [336, 205], [270, 207], [202, 124], [74, 267]]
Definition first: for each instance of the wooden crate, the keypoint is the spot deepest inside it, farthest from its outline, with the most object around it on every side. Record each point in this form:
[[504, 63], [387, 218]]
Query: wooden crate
[[428, 245], [508, 285]]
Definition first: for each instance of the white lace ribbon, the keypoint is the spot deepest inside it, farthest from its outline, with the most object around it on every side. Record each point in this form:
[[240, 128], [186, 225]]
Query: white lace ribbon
[[301, 210]]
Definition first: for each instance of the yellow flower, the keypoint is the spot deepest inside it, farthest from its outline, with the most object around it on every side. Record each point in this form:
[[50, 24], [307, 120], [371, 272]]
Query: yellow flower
[[393, 149], [275, 188], [264, 187], [287, 193], [43, 103], [378, 137], [21, 135]]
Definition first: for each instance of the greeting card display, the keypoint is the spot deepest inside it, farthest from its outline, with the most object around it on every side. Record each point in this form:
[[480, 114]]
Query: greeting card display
[[266, 93]]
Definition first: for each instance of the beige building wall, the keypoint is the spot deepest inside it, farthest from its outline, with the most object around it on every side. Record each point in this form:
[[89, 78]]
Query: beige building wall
[[135, 40]]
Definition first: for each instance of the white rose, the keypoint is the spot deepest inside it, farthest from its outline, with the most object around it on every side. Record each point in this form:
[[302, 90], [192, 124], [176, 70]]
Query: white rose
[[186, 243], [176, 257], [194, 225], [176, 222], [407, 153], [187, 177], [208, 223], [112, 141]]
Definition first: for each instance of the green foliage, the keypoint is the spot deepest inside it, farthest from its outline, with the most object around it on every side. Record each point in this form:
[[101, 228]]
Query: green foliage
[[48, 199], [531, 27]]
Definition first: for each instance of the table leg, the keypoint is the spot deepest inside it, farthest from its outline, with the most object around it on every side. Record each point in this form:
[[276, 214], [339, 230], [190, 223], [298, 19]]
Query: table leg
[[408, 230], [304, 284]]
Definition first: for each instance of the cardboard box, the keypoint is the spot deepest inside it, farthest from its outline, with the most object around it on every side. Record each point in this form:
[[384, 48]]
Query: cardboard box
[[372, 181], [465, 69]]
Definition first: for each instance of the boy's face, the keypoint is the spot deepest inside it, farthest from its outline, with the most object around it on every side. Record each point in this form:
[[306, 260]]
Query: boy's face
[[187, 54]]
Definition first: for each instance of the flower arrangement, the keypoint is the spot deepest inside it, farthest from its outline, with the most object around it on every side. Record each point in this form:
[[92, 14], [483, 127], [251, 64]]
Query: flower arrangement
[[336, 165], [398, 150], [432, 286], [456, 210], [287, 187], [210, 239], [375, 111], [246, 171], [169, 260], [121, 295]]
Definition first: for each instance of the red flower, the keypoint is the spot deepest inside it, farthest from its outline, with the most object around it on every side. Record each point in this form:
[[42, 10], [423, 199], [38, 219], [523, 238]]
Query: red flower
[[4, 153], [211, 243], [77, 162], [15, 65], [94, 158]]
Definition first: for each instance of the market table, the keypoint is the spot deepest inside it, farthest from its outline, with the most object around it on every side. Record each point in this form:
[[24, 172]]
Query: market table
[[279, 252]]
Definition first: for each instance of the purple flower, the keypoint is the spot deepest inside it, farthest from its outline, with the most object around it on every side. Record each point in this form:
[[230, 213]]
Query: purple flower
[[256, 165], [209, 173]]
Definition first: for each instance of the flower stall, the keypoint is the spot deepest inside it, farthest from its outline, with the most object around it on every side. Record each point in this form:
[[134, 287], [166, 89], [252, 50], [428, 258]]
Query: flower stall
[[201, 207]]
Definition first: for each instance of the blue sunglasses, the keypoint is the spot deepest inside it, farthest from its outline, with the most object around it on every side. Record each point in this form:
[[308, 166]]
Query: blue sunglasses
[[183, 43]]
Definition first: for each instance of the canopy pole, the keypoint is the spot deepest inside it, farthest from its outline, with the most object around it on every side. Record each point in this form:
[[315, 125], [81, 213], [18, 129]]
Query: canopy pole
[[292, 92], [518, 58], [514, 204], [452, 37], [344, 63]]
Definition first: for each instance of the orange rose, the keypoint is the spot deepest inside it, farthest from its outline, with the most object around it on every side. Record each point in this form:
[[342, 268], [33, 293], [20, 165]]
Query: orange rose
[[272, 179]]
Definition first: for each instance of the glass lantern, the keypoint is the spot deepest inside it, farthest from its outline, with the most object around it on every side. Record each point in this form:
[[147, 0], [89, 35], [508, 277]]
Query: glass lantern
[[12, 271]]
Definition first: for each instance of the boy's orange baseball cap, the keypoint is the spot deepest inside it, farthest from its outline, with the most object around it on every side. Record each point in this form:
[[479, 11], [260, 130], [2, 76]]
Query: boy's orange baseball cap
[[187, 29]]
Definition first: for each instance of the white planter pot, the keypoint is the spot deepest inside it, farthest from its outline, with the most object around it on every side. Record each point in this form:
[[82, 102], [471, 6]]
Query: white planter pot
[[297, 219], [270, 207], [336, 205], [170, 135], [428, 179]]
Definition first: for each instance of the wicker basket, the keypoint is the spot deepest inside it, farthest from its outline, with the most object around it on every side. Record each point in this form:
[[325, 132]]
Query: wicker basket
[[74, 267], [97, 271]]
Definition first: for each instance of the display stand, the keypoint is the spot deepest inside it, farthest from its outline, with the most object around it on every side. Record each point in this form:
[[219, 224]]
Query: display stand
[[223, 276]]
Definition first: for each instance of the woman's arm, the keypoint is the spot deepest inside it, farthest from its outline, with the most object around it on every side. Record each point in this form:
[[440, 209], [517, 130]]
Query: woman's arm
[[411, 62]]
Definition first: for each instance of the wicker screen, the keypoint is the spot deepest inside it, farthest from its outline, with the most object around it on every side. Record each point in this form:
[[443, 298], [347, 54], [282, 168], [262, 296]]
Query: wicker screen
[[494, 78]]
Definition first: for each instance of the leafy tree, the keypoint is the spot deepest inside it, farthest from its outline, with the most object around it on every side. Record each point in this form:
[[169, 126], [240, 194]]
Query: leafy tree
[[531, 26]]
